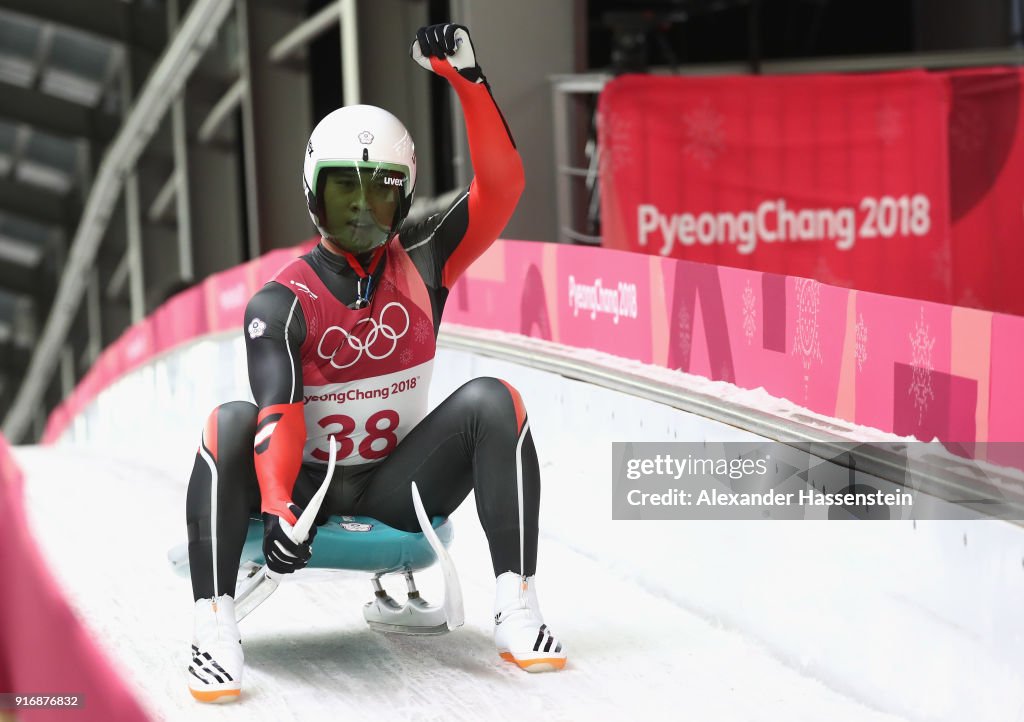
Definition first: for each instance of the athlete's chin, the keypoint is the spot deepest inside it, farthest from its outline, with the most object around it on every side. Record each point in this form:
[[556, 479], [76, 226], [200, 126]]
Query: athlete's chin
[[356, 246]]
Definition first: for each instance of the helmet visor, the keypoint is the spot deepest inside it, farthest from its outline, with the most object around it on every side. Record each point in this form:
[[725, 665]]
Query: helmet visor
[[360, 201]]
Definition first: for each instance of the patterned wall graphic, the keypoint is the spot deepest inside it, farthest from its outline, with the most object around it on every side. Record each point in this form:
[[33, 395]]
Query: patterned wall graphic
[[900, 365]]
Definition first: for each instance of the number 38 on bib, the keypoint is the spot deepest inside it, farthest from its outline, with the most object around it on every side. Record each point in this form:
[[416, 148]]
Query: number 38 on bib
[[368, 417]]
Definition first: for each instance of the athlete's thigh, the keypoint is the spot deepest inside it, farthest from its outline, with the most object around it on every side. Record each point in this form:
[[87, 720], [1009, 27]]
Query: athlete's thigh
[[437, 454]]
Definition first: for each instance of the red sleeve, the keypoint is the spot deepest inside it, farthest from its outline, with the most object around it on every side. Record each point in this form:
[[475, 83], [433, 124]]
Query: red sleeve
[[497, 169], [277, 450]]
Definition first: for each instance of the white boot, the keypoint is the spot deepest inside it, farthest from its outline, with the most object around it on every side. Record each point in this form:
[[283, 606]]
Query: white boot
[[519, 630], [215, 671]]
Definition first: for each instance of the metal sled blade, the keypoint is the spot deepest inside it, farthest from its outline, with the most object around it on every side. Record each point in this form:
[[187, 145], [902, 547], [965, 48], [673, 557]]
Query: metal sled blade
[[253, 591], [415, 617], [453, 609], [409, 630]]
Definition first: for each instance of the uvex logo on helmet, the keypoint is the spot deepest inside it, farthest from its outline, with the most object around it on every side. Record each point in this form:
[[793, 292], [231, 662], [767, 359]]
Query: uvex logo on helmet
[[380, 341], [389, 181]]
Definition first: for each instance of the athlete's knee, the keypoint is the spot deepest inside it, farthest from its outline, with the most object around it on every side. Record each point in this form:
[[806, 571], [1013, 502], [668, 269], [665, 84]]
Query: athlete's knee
[[229, 431], [495, 398]]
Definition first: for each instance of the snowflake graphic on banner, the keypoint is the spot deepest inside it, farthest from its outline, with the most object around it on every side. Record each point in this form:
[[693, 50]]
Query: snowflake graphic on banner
[[704, 134], [685, 331], [921, 344], [405, 357], [862, 342], [889, 122], [749, 313], [808, 339], [387, 286], [942, 264], [822, 272], [620, 141], [423, 331], [969, 298], [968, 127]]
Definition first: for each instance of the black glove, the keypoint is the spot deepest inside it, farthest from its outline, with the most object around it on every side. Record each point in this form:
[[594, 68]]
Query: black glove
[[283, 555], [449, 43]]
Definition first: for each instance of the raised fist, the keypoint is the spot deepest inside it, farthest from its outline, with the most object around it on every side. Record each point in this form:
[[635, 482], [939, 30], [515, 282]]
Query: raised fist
[[444, 48]]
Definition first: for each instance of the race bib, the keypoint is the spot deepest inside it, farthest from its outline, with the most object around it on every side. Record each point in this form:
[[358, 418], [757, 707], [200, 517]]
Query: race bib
[[367, 417]]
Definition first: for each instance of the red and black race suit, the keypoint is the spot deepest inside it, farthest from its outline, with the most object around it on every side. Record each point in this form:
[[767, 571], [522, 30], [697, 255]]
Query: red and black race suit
[[319, 366]]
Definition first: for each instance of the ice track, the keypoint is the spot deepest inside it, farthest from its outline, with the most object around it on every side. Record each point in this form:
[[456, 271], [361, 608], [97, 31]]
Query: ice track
[[105, 523]]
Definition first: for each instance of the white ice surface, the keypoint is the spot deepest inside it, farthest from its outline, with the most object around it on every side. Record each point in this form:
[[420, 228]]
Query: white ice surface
[[105, 524], [727, 621]]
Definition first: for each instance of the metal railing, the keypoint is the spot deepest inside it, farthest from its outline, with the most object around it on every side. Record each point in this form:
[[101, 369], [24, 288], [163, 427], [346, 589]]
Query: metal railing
[[987, 490], [161, 94], [188, 45]]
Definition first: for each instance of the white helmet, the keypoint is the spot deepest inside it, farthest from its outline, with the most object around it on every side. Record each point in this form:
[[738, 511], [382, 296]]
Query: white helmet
[[359, 176]]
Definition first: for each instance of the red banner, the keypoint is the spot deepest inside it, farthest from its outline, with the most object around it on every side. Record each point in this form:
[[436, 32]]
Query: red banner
[[986, 180], [840, 178]]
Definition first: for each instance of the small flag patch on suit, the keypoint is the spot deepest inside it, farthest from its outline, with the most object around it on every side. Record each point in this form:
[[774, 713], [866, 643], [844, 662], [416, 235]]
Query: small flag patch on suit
[[256, 328]]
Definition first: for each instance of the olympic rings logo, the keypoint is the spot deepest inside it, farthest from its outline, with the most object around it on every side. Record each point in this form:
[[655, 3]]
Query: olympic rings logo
[[378, 329]]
